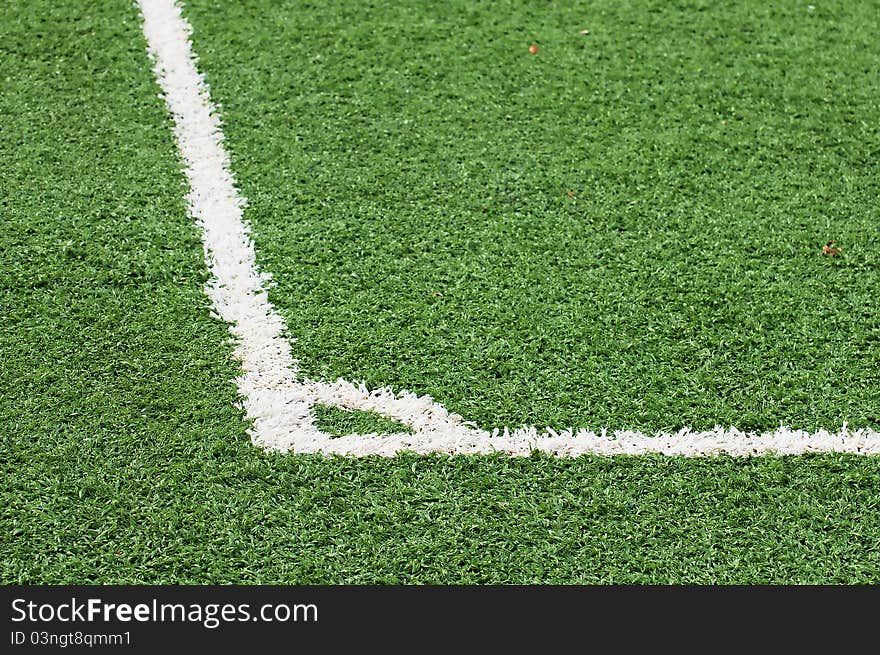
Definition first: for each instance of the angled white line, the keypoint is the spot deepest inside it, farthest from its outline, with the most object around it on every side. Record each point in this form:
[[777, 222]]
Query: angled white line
[[273, 394]]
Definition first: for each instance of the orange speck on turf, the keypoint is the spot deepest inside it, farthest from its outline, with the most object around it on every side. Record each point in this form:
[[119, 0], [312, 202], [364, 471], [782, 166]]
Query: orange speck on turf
[[533, 49]]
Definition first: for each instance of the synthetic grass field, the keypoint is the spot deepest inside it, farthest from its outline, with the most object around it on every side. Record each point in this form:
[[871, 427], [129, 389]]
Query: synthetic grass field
[[623, 230]]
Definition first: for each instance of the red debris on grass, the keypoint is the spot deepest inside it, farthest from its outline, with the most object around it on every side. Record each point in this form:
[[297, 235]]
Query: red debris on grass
[[829, 249]]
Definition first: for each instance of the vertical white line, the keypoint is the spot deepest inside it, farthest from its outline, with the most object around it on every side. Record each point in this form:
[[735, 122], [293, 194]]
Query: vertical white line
[[267, 384]]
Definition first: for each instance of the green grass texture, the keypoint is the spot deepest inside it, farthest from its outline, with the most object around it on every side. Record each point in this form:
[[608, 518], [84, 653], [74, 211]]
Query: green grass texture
[[123, 453], [623, 230], [340, 422]]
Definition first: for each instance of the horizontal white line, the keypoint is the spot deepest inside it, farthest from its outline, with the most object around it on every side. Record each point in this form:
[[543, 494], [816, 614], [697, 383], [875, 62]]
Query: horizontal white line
[[523, 442], [280, 403]]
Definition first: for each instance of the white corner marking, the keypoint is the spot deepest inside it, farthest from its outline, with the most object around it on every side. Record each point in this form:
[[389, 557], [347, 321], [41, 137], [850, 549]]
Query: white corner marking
[[279, 401]]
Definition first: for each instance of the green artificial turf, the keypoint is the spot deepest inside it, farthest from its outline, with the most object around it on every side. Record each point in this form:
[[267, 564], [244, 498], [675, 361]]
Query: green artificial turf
[[340, 422], [125, 459], [622, 230]]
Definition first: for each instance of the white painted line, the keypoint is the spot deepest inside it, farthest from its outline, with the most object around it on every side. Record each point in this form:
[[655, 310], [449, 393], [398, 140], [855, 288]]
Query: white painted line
[[275, 397]]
